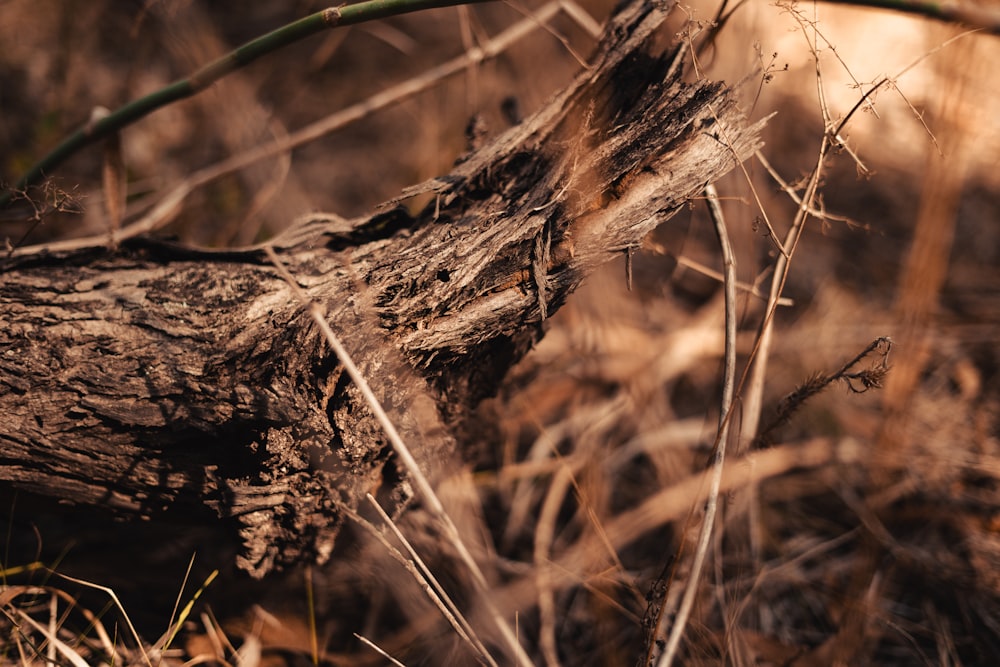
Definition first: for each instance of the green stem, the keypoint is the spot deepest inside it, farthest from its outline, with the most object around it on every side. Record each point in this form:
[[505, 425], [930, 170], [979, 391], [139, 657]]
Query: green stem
[[212, 72]]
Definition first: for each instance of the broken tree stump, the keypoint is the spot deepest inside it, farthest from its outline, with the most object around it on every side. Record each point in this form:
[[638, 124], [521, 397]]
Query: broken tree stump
[[158, 379]]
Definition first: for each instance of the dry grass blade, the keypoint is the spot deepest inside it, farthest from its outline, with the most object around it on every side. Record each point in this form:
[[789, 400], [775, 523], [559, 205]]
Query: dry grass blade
[[114, 598], [582, 17], [378, 649], [176, 626], [53, 641], [56, 650], [429, 583], [443, 604], [311, 612], [216, 638], [10, 593]]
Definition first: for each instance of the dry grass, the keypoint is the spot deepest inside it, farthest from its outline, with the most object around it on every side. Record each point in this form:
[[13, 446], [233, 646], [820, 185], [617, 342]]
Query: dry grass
[[865, 530]]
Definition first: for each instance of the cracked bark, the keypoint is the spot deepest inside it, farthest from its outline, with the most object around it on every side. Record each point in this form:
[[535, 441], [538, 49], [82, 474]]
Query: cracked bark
[[159, 380]]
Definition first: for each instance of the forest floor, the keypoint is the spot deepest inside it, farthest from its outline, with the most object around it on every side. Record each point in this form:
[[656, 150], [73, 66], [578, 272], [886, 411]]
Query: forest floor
[[863, 529]]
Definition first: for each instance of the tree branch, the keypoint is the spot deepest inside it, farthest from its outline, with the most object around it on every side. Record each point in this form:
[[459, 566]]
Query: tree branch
[[163, 378], [105, 125]]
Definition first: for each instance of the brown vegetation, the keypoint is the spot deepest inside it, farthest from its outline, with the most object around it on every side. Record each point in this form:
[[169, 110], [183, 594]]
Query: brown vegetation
[[860, 530]]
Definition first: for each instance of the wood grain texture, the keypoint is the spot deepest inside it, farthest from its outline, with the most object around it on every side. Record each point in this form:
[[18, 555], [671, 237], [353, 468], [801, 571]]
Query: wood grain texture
[[159, 380]]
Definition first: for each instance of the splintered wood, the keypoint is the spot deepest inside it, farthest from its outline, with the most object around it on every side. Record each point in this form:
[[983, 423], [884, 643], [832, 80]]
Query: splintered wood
[[155, 379]]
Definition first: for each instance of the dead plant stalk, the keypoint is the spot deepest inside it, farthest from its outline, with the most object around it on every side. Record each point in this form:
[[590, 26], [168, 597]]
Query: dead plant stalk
[[718, 459]]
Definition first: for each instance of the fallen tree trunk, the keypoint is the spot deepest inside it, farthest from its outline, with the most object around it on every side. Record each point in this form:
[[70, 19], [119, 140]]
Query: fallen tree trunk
[[160, 379]]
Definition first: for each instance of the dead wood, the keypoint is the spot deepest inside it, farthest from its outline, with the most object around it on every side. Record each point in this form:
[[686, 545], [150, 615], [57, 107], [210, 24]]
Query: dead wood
[[161, 380]]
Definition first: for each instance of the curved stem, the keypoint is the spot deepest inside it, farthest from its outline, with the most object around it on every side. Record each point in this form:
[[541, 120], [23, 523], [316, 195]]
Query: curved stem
[[205, 76], [718, 459]]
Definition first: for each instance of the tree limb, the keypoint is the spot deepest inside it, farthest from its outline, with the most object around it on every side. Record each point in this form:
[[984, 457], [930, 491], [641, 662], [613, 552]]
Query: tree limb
[[160, 378]]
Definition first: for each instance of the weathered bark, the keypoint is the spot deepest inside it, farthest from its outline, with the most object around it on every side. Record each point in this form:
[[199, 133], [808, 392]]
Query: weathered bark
[[158, 378]]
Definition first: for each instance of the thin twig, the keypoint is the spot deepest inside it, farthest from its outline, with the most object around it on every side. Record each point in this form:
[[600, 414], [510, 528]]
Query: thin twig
[[757, 365], [433, 588], [754, 397], [372, 645], [719, 450], [892, 81], [794, 196], [753, 401], [418, 575], [204, 77], [543, 24], [752, 290]]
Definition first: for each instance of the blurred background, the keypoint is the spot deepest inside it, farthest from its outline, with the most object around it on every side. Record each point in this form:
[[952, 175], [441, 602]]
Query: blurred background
[[865, 531]]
